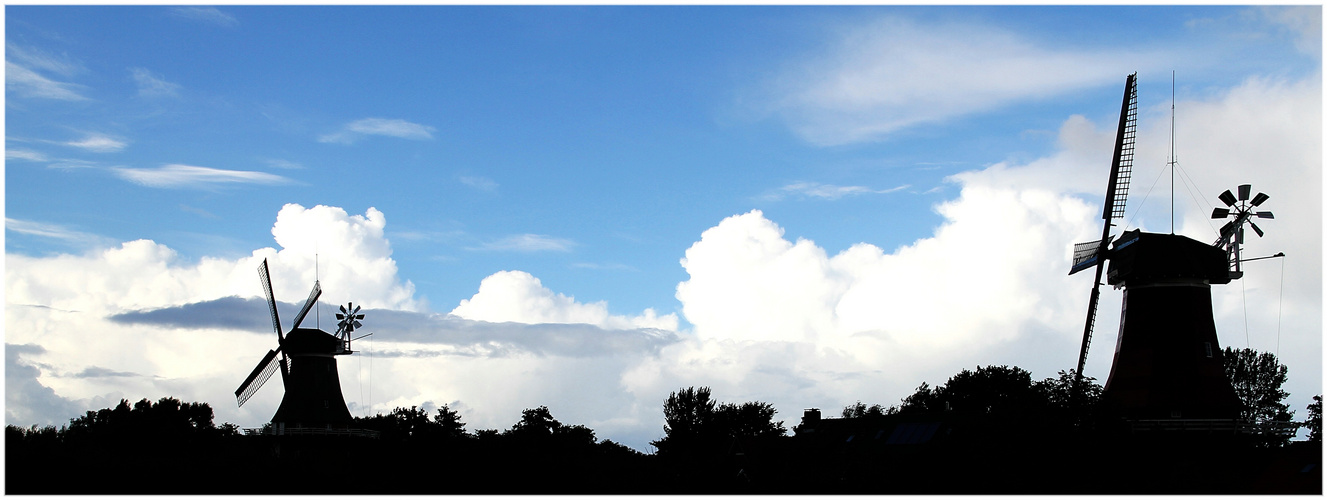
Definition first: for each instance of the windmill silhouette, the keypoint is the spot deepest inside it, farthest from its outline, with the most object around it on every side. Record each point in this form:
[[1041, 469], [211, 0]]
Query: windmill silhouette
[[1168, 361], [307, 364]]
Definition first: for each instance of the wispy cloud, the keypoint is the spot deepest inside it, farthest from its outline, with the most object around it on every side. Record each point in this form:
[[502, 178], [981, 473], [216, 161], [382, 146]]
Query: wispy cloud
[[53, 231], [41, 60], [603, 267], [71, 164], [199, 211], [824, 191], [390, 127], [151, 85], [97, 143], [892, 73], [285, 164], [480, 183], [27, 83], [188, 176], [529, 243], [210, 15], [23, 154]]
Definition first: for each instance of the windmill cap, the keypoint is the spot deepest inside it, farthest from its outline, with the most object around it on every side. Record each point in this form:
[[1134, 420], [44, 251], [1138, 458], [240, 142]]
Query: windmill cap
[[1142, 258]]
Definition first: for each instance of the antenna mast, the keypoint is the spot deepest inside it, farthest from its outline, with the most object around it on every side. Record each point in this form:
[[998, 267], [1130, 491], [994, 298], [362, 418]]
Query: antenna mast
[[318, 319], [1172, 161]]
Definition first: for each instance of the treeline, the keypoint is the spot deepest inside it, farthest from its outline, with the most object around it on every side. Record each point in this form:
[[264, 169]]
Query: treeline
[[708, 446]]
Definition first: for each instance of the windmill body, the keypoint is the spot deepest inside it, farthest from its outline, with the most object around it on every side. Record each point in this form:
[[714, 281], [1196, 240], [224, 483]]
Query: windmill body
[[307, 363], [313, 388], [1168, 361]]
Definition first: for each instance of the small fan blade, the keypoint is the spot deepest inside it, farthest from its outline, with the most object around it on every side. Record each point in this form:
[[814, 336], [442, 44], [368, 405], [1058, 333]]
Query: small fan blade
[[356, 311], [1220, 213], [340, 316], [1227, 198], [1265, 215], [359, 316], [1257, 200], [1244, 191], [1256, 229], [343, 309], [358, 324]]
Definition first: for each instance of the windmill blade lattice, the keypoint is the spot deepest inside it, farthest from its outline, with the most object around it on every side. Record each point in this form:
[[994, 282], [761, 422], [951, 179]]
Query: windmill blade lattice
[[1094, 253], [258, 377], [308, 304]]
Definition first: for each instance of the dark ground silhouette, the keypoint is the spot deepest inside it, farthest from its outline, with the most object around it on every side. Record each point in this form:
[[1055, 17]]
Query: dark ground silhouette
[[989, 431]]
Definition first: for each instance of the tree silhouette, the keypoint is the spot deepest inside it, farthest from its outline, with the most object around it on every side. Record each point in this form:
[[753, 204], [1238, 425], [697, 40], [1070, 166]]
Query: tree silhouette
[[1257, 378], [752, 419], [449, 423], [535, 424], [1001, 393], [1314, 420], [695, 423], [860, 410]]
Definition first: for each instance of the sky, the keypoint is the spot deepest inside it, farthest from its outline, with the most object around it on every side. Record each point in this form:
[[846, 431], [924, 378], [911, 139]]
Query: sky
[[590, 207]]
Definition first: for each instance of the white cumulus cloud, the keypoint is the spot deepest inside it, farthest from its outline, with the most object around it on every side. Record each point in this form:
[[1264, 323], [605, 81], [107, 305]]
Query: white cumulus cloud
[[58, 306], [520, 297]]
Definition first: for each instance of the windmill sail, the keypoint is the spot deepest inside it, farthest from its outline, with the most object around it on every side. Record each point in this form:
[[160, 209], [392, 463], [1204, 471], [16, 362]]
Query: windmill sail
[[266, 280], [1086, 255], [1117, 191], [313, 299], [257, 377]]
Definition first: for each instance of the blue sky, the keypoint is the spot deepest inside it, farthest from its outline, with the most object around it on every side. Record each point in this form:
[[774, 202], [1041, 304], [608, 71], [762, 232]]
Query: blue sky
[[537, 166]]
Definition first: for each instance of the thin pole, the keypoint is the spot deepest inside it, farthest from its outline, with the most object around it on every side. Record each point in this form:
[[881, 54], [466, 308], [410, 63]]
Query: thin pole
[[319, 315], [1172, 151], [1280, 299]]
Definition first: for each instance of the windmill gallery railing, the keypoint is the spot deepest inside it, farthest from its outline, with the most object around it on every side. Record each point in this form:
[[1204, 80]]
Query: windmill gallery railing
[[1226, 426], [281, 430]]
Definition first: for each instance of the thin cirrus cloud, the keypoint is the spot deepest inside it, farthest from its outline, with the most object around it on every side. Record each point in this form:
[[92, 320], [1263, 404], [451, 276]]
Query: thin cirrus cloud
[[27, 83], [390, 127], [152, 85], [189, 176], [97, 143], [824, 191], [210, 15], [895, 73], [480, 183], [24, 154], [41, 60], [529, 243], [52, 231]]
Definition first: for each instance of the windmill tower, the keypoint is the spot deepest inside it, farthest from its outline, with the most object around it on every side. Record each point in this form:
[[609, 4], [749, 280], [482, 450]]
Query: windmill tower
[[1168, 361], [307, 364]]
